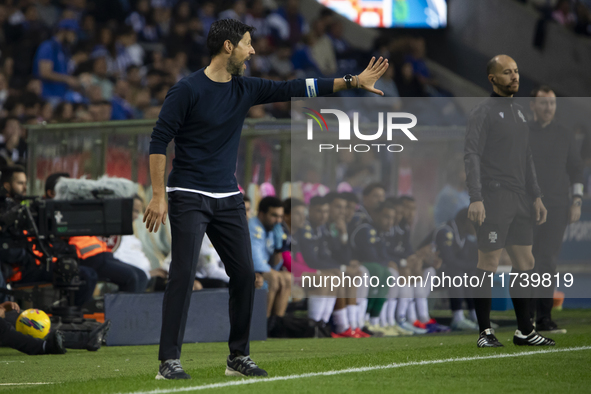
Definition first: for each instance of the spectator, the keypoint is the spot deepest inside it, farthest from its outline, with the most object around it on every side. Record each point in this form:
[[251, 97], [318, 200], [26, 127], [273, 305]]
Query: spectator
[[408, 83], [238, 11], [322, 50], [256, 17], [10, 141], [51, 62], [121, 109], [48, 12], [137, 19], [207, 15], [32, 104], [563, 14], [280, 61], [287, 24], [182, 12], [100, 77]]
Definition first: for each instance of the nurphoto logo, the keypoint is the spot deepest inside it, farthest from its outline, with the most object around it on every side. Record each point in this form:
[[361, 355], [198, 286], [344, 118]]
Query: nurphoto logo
[[344, 131]]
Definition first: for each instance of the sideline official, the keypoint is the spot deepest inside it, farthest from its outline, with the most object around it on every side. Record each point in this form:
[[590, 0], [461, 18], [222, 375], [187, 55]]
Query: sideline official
[[505, 198], [560, 176]]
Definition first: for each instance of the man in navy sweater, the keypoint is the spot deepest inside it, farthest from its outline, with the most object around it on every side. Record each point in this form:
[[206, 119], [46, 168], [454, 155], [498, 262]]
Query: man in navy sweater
[[204, 114]]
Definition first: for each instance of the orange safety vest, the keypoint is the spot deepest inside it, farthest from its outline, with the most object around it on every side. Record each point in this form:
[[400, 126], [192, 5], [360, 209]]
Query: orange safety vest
[[88, 246], [17, 274]]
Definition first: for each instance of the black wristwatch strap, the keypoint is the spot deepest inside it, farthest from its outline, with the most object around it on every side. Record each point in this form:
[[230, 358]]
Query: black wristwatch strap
[[348, 79]]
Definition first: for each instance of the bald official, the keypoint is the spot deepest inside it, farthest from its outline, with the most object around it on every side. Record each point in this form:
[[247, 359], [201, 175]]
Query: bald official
[[505, 198]]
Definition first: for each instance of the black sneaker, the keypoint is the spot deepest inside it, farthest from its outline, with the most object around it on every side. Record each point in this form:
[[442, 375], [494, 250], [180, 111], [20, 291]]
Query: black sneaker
[[533, 339], [54, 343], [243, 366], [487, 339], [549, 326], [97, 337], [170, 370]]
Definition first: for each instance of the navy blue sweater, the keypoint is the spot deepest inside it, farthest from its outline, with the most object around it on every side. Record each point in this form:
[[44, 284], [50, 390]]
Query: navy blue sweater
[[205, 118]]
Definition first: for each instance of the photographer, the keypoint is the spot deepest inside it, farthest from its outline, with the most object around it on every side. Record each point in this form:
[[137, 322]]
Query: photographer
[[52, 344], [94, 253], [24, 267]]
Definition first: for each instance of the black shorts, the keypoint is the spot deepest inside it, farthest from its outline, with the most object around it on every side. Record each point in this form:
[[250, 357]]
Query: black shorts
[[509, 220]]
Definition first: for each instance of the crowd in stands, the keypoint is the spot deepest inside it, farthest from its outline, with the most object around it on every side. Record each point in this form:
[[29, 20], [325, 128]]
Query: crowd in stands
[[574, 15], [92, 60]]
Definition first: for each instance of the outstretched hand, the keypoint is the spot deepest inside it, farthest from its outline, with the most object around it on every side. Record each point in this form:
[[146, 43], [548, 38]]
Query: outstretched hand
[[373, 72]]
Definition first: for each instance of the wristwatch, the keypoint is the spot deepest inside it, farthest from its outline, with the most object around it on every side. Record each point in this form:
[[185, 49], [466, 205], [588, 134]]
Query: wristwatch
[[348, 79]]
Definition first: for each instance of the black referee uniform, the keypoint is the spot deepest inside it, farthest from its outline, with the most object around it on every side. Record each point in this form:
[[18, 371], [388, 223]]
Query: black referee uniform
[[500, 172], [559, 166]]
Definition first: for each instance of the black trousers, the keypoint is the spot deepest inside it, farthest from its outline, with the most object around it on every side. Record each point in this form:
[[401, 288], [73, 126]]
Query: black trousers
[[192, 215], [546, 246], [23, 343], [127, 277]]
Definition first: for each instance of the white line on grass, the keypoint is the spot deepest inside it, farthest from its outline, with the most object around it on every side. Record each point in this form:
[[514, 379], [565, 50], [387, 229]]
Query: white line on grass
[[361, 369], [20, 384]]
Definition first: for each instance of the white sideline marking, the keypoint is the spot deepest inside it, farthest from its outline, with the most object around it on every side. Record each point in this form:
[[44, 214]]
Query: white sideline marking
[[352, 370], [21, 384]]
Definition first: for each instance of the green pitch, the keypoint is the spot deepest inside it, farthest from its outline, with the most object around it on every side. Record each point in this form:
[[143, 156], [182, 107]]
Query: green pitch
[[132, 369]]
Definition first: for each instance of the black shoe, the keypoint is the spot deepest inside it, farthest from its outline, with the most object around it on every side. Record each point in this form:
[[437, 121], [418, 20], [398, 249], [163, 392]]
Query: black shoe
[[533, 339], [487, 339], [366, 330], [54, 343], [243, 366], [97, 337], [171, 370], [550, 326]]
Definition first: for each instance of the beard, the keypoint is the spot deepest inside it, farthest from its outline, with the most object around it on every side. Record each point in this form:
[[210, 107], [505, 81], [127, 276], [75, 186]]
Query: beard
[[235, 67]]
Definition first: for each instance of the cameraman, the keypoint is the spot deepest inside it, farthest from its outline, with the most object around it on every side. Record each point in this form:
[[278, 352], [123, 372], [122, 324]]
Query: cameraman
[[25, 268], [94, 253]]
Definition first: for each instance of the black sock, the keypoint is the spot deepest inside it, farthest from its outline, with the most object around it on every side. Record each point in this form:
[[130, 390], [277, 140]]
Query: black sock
[[482, 300], [521, 297]]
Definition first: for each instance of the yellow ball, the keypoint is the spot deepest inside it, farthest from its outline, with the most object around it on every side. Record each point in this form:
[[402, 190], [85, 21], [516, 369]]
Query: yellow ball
[[33, 322]]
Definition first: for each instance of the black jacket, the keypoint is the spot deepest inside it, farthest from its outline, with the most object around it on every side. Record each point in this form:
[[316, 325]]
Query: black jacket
[[557, 159], [497, 148]]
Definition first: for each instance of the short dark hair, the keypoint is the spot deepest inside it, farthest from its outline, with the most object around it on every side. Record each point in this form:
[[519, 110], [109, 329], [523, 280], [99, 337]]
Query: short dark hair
[[385, 205], [51, 180], [371, 187], [406, 198], [269, 202], [318, 200], [394, 201], [541, 88], [331, 196], [290, 203], [350, 197], [4, 122], [226, 29], [8, 173]]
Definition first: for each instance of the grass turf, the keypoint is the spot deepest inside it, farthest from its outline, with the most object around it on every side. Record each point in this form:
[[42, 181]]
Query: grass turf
[[132, 369]]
